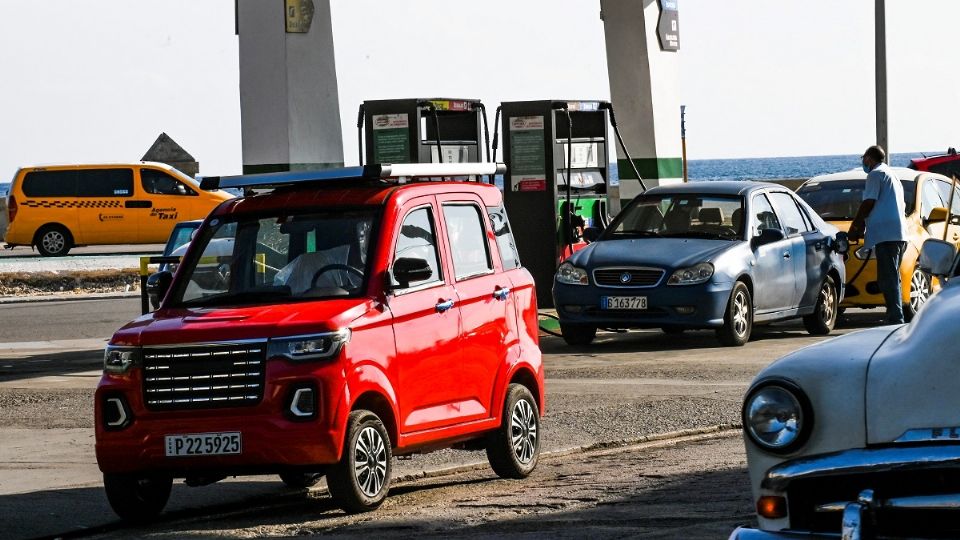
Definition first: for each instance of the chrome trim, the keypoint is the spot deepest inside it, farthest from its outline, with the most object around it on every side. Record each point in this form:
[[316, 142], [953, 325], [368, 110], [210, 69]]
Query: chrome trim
[[123, 412], [295, 403], [929, 435], [945, 501], [593, 275], [862, 461], [745, 533], [235, 342]]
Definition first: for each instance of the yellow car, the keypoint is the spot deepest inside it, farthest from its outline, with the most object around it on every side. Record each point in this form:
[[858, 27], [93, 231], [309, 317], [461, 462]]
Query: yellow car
[[836, 197], [58, 207]]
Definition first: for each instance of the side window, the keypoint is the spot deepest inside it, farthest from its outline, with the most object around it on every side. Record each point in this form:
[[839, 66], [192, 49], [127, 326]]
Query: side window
[[105, 183], [418, 240], [944, 188], [50, 183], [764, 216], [468, 241], [161, 183], [930, 198], [789, 213], [509, 257], [947, 168]]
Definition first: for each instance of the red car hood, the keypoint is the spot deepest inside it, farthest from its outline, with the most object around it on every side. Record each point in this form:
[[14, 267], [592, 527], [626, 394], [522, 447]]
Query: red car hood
[[167, 326]]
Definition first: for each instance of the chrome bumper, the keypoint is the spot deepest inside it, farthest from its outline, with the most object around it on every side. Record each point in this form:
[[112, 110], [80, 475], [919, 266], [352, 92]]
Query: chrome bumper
[[743, 533], [862, 461]]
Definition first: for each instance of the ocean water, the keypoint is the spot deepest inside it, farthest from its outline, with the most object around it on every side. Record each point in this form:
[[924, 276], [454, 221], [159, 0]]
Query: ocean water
[[776, 168]]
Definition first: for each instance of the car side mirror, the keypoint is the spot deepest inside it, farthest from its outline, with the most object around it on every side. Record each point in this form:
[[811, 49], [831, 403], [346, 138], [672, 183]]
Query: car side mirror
[[938, 214], [157, 286], [768, 236], [591, 234], [937, 257], [407, 270]]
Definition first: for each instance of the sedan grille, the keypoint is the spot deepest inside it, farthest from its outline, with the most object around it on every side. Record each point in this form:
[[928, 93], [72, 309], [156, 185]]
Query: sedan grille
[[202, 376], [628, 277]]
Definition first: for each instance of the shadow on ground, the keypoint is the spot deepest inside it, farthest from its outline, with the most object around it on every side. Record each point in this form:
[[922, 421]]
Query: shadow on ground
[[41, 364]]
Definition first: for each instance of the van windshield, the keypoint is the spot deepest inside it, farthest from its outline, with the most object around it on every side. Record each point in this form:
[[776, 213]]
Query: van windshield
[[260, 259]]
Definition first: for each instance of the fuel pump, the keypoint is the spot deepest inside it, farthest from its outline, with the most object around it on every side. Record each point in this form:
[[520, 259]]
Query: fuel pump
[[422, 130], [558, 166]]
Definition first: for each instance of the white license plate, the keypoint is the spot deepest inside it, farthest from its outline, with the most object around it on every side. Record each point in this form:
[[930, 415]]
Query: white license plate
[[203, 444], [623, 302]]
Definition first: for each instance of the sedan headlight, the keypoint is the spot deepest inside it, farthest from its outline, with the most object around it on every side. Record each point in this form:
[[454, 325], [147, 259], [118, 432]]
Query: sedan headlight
[[117, 359], [571, 275], [692, 275], [309, 347], [777, 417]]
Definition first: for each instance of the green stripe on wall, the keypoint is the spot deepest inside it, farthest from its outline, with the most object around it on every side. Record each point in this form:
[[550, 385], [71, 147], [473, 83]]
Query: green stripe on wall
[[652, 168], [285, 167]]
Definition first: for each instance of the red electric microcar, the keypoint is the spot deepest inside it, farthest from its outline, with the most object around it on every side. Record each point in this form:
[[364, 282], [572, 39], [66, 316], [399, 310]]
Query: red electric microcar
[[322, 326]]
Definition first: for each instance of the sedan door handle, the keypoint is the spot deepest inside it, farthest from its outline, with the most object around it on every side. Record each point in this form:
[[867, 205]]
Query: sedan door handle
[[501, 293], [786, 254], [444, 305]]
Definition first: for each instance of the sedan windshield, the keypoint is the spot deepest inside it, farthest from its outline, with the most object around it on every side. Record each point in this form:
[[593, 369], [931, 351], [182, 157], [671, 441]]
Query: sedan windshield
[[838, 200], [285, 258], [681, 215]]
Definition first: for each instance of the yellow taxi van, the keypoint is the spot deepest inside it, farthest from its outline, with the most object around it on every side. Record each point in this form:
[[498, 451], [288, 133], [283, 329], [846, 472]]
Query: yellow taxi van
[[55, 208]]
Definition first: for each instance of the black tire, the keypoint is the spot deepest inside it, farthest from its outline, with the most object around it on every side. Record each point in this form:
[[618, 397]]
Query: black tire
[[824, 317], [521, 421], [920, 289], [300, 480], [738, 318], [672, 330], [578, 335], [137, 498], [366, 441], [53, 240]]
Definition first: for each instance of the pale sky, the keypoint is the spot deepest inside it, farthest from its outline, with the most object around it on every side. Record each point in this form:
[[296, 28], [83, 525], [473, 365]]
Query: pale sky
[[98, 80]]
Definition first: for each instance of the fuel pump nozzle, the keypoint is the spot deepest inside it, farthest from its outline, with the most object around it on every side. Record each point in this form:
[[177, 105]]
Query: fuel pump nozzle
[[616, 131]]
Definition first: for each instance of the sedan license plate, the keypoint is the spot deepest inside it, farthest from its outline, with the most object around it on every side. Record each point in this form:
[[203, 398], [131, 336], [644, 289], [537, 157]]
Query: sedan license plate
[[203, 444], [623, 302]]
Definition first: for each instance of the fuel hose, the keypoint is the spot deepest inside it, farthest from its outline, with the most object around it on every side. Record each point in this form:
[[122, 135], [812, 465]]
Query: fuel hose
[[616, 130]]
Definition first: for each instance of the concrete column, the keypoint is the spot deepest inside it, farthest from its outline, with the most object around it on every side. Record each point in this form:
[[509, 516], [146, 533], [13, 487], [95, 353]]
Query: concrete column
[[645, 92], [290, 110]]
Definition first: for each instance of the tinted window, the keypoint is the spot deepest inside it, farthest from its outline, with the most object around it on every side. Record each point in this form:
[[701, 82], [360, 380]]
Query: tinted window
[[788, 212], [79, 183], [468, 241], [764, 215], [838, 200], [509, 257], [161, 183], [947, 168], [418, 241], [680, 215]]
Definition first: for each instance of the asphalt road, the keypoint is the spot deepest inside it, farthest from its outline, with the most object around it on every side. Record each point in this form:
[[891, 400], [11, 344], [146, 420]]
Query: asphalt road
[[623, 388], [86, 251]]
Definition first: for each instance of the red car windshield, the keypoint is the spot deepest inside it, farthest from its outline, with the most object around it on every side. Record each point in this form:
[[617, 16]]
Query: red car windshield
[[285, 258]]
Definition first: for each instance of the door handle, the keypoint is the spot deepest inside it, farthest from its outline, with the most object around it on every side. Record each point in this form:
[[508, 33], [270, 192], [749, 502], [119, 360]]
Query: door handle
[[818, 246], [444, 305], [138, 204], [786, 254], [501, 293]]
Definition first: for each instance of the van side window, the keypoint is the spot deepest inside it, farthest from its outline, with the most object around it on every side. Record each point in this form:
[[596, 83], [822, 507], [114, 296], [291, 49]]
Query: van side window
[[468, 240], [509, 257], [79, 183], [161, 183], [418, 240]]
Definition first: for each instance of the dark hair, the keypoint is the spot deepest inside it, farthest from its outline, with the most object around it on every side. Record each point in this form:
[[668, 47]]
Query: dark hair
[[876, 153]]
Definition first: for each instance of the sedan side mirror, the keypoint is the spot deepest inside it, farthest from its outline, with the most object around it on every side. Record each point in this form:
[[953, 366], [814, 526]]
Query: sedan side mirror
[[157, 286], [768, 236], [938, 214], [937, 257], [591, 234], [407, 270]]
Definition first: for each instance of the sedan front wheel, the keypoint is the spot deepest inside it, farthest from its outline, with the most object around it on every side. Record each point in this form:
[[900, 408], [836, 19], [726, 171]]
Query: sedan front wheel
[[824, 316], [919, 293], [738, 320]]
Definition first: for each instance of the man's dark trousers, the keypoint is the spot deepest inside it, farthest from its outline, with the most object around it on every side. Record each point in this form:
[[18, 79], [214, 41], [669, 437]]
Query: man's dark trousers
[[889, 257]]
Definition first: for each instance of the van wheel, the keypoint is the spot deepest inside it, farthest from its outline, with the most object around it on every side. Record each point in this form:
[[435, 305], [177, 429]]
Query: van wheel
[[824, 316], [53, 241], [514, 448], [137, 499], [360, 480], [578, 334], [738, 319], [919, 293], [300, 480]]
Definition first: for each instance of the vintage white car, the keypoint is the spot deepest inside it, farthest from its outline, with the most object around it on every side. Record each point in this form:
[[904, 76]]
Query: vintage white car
[[859, 436]]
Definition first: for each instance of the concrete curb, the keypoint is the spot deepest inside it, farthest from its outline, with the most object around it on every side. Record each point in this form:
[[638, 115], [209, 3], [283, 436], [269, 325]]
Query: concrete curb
[[67, 297]]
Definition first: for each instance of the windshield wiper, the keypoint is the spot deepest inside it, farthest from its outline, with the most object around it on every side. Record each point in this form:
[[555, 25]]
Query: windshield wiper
[[698, 234], [240, 297], [651, 234]]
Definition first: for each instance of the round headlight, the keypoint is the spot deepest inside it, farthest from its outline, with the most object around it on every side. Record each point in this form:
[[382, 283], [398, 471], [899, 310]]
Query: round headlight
[[776, 417]]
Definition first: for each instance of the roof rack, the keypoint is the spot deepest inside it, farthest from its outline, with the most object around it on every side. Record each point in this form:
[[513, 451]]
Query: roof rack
[[399, 173]]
